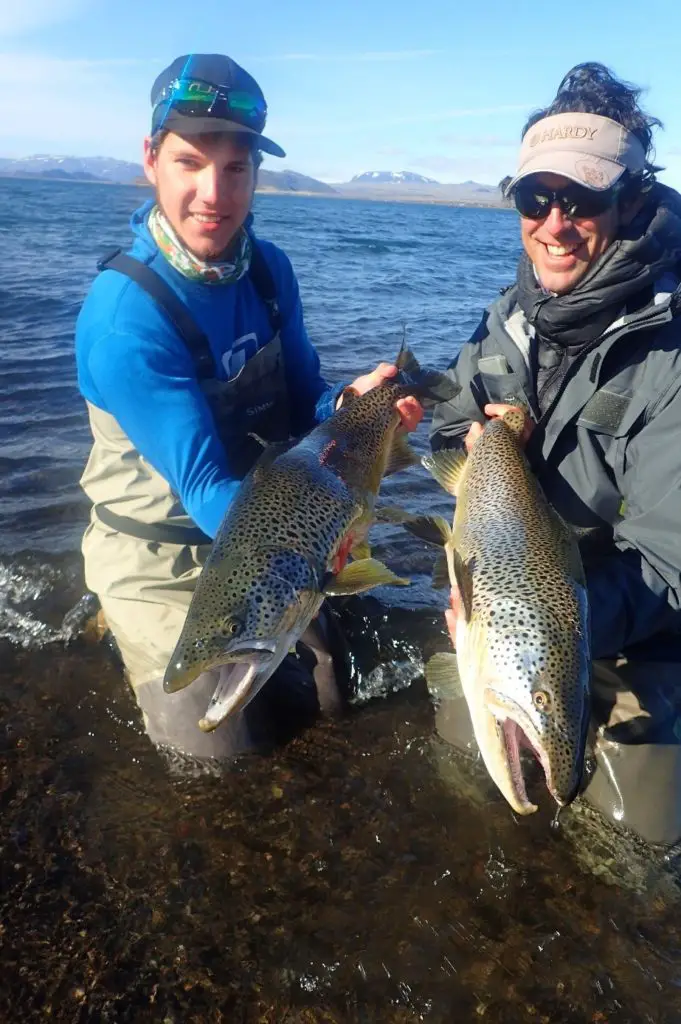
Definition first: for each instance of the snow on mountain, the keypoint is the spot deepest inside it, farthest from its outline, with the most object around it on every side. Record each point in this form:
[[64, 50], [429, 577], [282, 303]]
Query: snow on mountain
[[395, 177]]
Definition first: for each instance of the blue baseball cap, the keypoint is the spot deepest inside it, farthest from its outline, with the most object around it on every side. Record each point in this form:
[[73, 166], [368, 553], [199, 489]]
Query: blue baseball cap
[[208, 92]]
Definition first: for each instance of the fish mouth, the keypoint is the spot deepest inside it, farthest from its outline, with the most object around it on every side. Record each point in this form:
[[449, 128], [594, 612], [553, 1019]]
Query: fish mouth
[[240, 679], [243, 649], [176, 677], [516, 732]]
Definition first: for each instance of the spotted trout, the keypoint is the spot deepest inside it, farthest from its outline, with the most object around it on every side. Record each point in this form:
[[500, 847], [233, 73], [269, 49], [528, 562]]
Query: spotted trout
[[284, 544], [522, 618]]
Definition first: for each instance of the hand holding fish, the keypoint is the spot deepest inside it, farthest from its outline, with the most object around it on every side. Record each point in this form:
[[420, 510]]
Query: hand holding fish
[[410, 409], [496, 411], [453, 613]]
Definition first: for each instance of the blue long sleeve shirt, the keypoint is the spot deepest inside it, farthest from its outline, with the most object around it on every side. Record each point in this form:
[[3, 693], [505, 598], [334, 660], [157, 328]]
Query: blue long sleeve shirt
[[134, 365]]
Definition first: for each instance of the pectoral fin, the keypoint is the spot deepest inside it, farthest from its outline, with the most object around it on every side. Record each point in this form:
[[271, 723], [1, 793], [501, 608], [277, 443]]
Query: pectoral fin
[[442, 676], [447, 466], [432, 529], [402, 455], [391, 514], [362, 575]]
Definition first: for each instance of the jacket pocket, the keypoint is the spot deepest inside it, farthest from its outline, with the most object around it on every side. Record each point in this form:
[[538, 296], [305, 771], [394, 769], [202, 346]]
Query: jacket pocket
[[504, 389], [610, 418]]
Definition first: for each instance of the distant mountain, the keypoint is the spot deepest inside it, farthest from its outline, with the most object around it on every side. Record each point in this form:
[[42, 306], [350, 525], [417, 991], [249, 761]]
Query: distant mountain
[[420, 189], [106, 169], [90, 168], [388, 186], [393, 178], [290, 181]]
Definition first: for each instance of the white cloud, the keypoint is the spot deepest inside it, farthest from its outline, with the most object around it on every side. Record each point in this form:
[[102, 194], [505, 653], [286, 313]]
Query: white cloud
[[19, 18]]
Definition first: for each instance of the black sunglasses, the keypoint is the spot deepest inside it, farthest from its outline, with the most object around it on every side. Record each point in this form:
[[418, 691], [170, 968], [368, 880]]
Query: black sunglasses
[[535, 201]]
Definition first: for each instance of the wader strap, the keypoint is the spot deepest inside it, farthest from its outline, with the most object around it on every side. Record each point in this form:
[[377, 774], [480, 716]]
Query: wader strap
[[263, 282], [192, 335], [199, 348], [154, 533], [154, 285]]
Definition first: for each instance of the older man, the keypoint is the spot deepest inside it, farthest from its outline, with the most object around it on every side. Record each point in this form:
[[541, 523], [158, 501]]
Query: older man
[[588, 341]]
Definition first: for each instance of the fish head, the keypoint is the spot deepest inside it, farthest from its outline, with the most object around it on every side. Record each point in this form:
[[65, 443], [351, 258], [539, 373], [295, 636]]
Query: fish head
[[249, 608], [538, 694]]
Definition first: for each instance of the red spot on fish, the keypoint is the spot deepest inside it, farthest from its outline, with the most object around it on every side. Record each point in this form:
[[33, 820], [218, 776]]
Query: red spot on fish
[[326, 452], [341, 556]]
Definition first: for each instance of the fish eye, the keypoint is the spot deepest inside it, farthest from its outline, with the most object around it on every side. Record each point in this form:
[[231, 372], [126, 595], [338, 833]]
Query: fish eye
[[541, 700], [230, 626]]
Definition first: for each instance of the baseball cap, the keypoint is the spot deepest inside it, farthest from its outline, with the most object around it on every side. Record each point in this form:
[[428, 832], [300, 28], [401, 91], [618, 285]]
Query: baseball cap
[[586, 148], [209, 92]]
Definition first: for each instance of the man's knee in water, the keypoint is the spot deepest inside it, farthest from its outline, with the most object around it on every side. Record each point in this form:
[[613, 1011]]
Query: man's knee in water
[[305, 685]]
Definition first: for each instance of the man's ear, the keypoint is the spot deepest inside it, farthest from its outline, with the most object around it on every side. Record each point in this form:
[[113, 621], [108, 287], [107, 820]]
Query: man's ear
[[149, 161]]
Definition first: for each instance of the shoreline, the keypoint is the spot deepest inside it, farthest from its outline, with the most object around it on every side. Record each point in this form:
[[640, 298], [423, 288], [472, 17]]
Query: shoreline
[[432, 200], [402, 198], [268, 190]]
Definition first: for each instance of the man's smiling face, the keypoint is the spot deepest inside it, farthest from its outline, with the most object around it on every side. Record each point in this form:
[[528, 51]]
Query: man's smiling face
[[561, 248]]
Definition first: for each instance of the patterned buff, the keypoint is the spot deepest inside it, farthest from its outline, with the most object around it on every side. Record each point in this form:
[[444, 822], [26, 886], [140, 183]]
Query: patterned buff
[[179, 257]]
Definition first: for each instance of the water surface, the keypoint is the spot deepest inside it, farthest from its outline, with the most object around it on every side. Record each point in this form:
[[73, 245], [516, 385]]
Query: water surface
[[364, 872]]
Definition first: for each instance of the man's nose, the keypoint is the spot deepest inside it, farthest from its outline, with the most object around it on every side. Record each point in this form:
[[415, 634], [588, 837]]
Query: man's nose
[[556, 221], [209, 185]]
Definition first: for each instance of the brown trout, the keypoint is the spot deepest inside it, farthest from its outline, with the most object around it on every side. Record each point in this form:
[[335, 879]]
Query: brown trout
[[286, 538], [522, 632]]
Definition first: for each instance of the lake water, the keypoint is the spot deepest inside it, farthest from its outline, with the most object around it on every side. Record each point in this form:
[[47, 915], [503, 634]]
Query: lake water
[[365, 872]]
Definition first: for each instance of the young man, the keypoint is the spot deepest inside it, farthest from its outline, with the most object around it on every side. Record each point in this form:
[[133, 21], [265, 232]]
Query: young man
[[186, 346], [588, 341]]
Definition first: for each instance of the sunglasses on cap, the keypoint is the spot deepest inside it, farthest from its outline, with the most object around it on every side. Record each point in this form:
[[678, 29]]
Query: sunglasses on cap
[[535, 200], [195, 97]]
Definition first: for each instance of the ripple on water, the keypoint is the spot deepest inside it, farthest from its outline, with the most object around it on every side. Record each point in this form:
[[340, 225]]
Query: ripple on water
[[365, 871]]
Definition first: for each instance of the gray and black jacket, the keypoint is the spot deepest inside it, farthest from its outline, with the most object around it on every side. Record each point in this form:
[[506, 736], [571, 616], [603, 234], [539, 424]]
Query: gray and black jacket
[[599, 370]]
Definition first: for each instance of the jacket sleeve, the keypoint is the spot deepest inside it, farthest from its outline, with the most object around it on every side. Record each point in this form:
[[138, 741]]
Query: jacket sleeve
[[311, 398], [149, 386], [451, 420], [636, 591]]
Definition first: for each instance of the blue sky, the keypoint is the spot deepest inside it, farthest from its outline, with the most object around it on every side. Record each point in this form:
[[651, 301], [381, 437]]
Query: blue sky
[[437, 87]]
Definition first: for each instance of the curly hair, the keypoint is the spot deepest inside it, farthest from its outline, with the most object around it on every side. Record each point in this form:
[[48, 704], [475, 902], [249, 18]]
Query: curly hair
[[592, 88]]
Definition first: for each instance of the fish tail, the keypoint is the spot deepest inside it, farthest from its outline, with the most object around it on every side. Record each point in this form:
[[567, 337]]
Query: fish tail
[[430, 386]]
